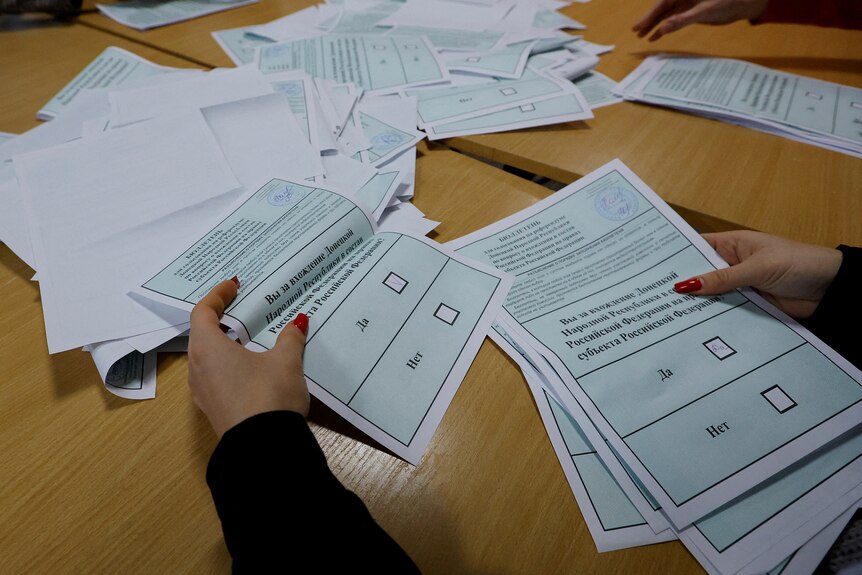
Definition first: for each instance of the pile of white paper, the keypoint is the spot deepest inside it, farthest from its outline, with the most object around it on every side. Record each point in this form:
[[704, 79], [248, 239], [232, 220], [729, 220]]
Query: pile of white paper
[[812, 111], [474, 67], [716, 420], [139, 159]]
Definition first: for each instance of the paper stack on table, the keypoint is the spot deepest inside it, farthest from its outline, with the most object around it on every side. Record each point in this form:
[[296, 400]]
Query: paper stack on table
[[140, 161], [813, 111], [717, 420], [496, 66]]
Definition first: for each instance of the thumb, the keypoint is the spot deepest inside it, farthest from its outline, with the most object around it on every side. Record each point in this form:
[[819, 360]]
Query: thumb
[[720, 281]]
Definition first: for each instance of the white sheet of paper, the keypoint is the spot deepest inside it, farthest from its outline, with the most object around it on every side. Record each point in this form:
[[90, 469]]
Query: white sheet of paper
[[260, 135], [443, 14], [192, 93], [130, 188], [147, 14]]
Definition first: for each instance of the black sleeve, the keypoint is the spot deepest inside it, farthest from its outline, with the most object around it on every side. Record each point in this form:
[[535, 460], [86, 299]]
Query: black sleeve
[[280, 506], [838, 318]]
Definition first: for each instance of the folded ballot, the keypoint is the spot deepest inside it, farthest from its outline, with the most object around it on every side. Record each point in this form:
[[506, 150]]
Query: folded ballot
[[394, 319]]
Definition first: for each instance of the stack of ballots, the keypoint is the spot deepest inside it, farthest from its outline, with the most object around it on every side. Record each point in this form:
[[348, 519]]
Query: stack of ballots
[[716, 420], [813, 111], [496, 66]]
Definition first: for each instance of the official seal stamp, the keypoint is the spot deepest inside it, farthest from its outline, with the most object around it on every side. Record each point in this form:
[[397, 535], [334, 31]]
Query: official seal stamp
[[281, 196], [616, 203], [387, 139]]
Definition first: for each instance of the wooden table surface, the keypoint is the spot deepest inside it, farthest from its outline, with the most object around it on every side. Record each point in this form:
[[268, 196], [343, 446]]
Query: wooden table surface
[[93, 483]]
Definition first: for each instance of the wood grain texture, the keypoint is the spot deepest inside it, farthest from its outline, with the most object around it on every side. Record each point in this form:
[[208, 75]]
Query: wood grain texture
[[704, 167], [39, 57]]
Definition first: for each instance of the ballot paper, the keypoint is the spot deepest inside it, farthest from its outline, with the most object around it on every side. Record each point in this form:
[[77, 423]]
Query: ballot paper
[[444, 14], [395, 320], [113, 67], [568, 108], [125, 371], [239, 44], [449, 104], [807, 558], [774, 512], [147, 14], [613, 520], [378, 64], [508, 62], [726, 381], [130, 188], [597, 89], [452, 39], [814, 111]]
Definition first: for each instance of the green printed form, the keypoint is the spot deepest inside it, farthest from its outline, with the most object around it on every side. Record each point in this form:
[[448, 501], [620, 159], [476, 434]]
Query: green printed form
[[612, 506], [751, 90], [444, 105], [375, 63], [394, 320], [716, 380]]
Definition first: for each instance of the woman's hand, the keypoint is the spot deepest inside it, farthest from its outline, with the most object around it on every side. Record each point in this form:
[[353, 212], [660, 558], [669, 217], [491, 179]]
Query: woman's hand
[[229, 383], [791, 275], [671, 15]]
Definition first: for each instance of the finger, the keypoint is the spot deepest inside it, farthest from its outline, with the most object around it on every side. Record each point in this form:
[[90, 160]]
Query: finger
[[722, 280], [700, 13], [725, 244], [652, 17], [206, 314]]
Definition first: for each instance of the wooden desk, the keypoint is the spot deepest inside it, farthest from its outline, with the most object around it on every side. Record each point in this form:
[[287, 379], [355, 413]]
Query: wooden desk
[[708, 170]]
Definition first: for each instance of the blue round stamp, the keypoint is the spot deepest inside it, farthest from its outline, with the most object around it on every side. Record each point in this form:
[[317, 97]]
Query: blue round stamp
[[281, 196], [387, 139], [616, 203]]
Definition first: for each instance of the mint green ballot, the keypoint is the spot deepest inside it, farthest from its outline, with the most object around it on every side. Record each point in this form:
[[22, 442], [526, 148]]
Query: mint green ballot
[[375, 63], [395, 320], [725, 381]]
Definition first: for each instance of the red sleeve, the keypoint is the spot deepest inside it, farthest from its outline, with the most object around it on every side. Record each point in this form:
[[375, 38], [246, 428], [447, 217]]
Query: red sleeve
[[831, 13]]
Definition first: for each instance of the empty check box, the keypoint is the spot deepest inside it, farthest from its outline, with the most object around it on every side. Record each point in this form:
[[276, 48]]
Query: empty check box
[[778, 399], [508, 91], [718, 348], [474, 59], [814, 95], [395, 282], [857, 105], [378, 47], [446, 314], [410, 46], [528, 108]]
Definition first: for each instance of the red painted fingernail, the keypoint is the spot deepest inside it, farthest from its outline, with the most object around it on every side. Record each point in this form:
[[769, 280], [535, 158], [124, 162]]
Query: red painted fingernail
[[235, 280], [301, 322], [687, 286]]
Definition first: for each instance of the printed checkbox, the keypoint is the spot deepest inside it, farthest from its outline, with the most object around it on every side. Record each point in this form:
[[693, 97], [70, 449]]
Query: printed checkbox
[[446, 314], [378, 47], [528, 108], [814, 95], [778, 398], [395, 282], [857, 105], [411, 46], [474, 59], [718, 348], [508, 91]]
